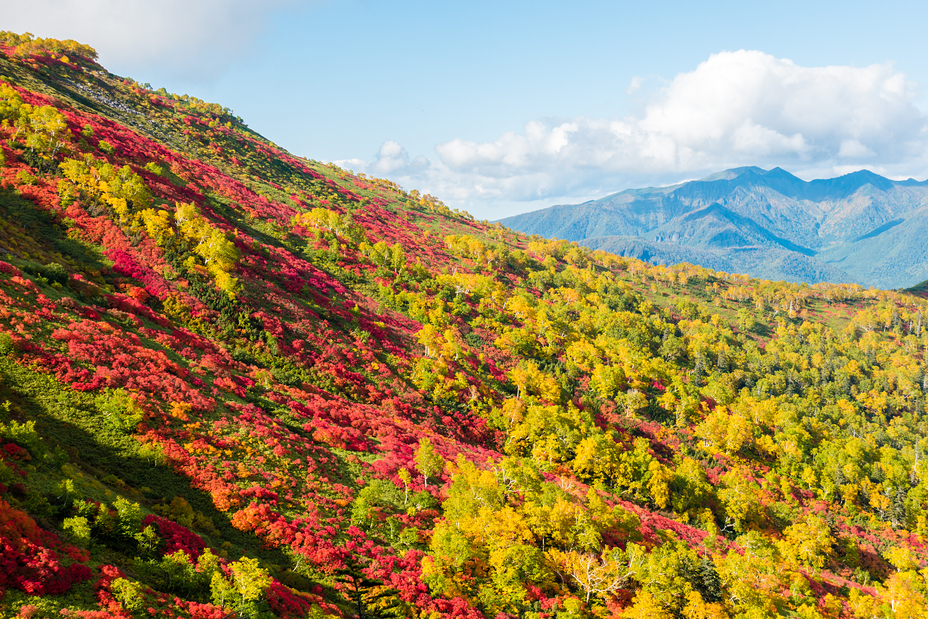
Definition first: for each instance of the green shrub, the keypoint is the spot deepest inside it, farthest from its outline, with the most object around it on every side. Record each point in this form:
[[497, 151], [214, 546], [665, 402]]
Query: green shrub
[[52, 272], [119, 409], [7, 345], [79, 529], [23, 177], [128, 593], [154, 168]]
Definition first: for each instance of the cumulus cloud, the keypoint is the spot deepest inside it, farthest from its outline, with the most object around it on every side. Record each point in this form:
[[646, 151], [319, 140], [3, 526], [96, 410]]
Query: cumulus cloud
[[394, 160], [192, 36], [736, 108], [758, 105]]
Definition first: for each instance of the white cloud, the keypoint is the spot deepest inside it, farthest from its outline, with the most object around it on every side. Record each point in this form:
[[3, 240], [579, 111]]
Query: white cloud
[[191, 36], [394, 160], [736, 108], [705, 109], [852, 149], [354, 164]]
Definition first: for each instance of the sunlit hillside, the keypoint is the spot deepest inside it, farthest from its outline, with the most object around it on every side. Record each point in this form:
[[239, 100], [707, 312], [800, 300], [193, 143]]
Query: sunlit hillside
[[237, 382]]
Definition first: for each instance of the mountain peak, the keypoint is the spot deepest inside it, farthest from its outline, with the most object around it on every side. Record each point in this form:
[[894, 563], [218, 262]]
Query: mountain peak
[[849, 183], [780, 173], [776, 173], [727, 175]]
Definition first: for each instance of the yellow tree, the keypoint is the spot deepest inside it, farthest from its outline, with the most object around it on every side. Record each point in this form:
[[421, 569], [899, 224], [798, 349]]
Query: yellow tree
[[158, 225], [724, 432], [740, 495], [47, 130], [808, 542], [531, 381], [598, 574], [245, 588], [428, 461], [646, 606], [10, 102], [903, 594], [697, 608], [659, 478]]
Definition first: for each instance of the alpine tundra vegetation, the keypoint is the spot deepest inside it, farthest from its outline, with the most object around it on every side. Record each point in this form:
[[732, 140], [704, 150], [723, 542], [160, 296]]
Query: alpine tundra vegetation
[[236, 382]]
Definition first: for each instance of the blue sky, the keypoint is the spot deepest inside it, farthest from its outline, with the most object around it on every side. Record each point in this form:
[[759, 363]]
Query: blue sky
[[502, 107]]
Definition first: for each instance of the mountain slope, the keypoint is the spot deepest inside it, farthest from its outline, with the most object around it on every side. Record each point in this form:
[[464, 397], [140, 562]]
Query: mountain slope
[[763, 212], [763, 262], [239, 383]]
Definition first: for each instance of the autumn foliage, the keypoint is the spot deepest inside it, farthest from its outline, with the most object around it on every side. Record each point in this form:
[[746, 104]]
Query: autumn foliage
[[235, 382]]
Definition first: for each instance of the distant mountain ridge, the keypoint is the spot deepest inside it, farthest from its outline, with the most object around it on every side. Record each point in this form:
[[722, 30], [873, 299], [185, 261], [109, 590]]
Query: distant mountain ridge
[[860, 227]]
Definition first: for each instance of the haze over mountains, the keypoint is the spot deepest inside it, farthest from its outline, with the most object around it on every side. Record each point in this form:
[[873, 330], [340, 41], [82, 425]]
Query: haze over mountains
[[860, 227]]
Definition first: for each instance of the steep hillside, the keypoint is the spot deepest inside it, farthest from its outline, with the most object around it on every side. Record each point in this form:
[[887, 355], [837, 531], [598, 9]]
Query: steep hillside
[[236, 382], [858, 228]]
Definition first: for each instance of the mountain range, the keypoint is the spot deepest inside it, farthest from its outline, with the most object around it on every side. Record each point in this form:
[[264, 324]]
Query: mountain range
[[857, 228]]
